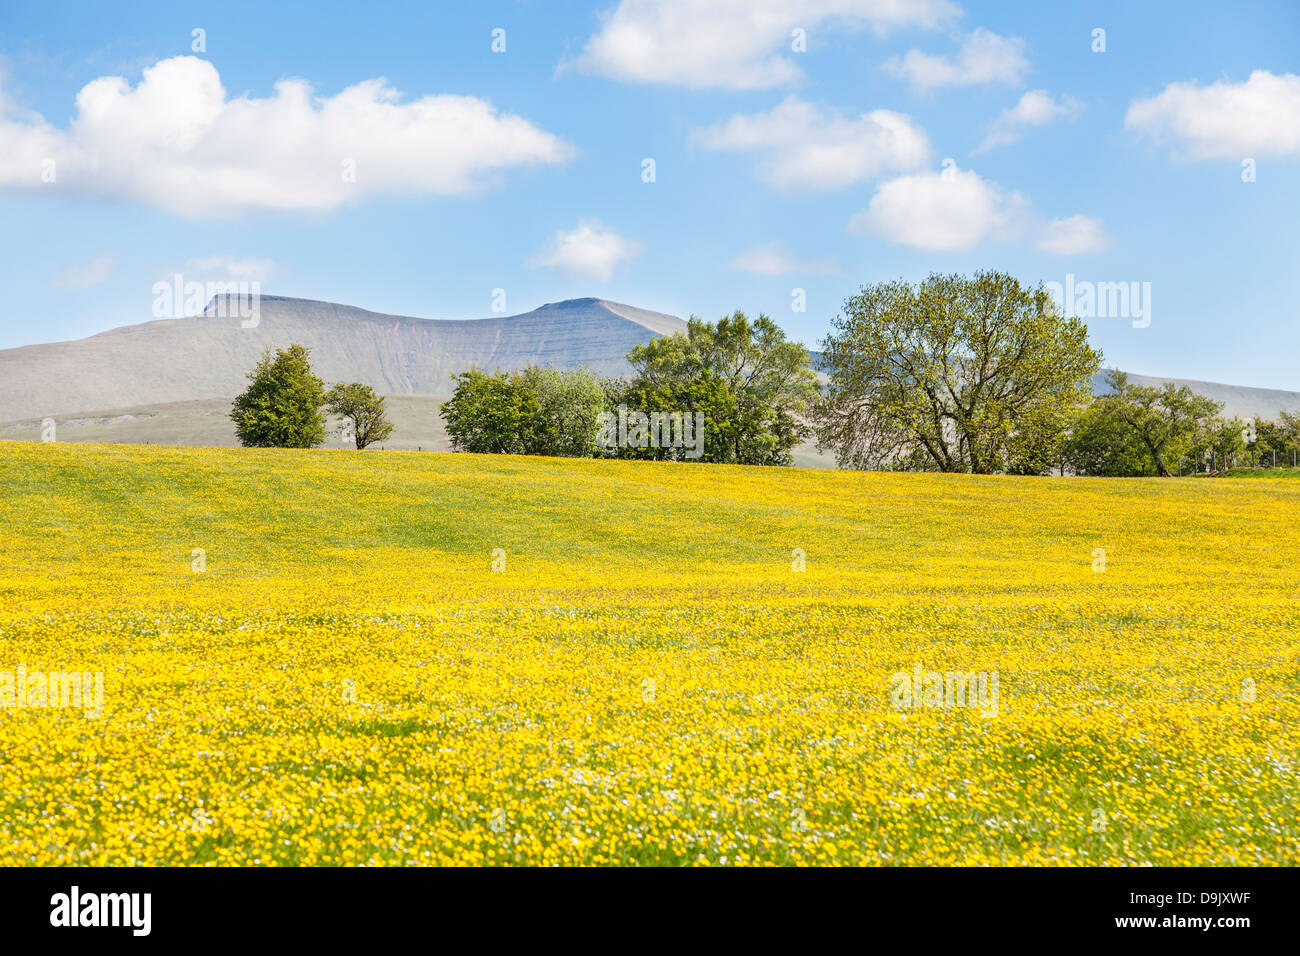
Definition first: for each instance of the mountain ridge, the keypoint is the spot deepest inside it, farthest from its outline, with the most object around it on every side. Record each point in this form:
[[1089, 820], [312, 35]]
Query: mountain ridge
[[209, 355]]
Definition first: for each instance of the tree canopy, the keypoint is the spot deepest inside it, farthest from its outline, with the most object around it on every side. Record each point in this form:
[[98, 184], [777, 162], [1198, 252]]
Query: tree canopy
[[569, 403], [976, 374], [752, 385], [281, 408], [1163, 421], [362, 409], [534, 411]]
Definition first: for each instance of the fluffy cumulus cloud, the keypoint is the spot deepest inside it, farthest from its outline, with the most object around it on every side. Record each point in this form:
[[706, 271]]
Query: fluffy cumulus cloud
[[983, 58], [957, 209], [1072, 236], [1035, 108], [803, 146], [732, 44], [176, 140], [1257, 117], [589, 251], [775, 259], [947, 211], [86, 275]]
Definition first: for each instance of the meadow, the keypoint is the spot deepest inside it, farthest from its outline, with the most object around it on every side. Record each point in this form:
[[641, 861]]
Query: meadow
[[339, 657]]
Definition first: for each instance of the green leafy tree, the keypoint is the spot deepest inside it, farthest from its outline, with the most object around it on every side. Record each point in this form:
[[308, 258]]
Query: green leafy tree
[[569, 403], [1214, 442], [281, 408], [704, 398], [1040, 441], [1101, 445], [1274, 440], [533, 411], [752, 384], [1288, 437], [976, 374], [1165, 421], [363, 410], [495, 414]]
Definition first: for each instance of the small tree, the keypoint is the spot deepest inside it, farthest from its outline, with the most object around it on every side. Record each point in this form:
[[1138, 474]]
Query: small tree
[[570, 403], [1271, 441], [1165, 421], [363, 408], [281, 406], [495, 414], [1222, 439], [1288, 428]]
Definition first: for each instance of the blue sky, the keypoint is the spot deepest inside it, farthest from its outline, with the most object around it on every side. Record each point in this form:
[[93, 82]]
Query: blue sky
[[775, 169]]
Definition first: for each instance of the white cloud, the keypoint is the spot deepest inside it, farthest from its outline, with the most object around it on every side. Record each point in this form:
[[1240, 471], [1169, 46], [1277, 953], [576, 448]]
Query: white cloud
[[86, 275], [589, 251], [775, 259], [1260, 117], [177, 141], [804, 146], [229, 269], [941, 212], [1073, 235], [957, 209], [1036, 108], [732, 44], [984, 58]]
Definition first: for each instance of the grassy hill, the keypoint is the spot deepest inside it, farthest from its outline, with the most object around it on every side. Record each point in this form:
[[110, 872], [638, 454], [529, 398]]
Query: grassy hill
[[308, 657]]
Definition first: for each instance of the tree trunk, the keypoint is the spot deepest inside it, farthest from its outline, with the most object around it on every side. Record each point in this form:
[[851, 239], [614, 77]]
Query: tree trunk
[[1161, 470]]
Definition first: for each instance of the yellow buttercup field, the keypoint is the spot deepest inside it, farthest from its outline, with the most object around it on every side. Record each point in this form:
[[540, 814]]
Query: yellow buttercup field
[[335, 657]]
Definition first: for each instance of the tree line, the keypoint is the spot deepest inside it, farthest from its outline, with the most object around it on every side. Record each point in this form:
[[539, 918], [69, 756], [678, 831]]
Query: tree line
[[984, 375], [733, 391], [1137, 430], [978, 374]]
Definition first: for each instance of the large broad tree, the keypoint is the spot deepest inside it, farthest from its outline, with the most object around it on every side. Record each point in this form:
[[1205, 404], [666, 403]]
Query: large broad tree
[[752, 385], [362, 409], [282, 406], [1164, 421], [976, 374]]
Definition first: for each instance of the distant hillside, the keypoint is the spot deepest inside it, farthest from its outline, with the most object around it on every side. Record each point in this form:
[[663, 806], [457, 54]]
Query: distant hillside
[[1239, 401], [205, 357]]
